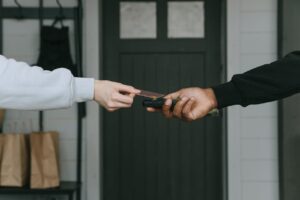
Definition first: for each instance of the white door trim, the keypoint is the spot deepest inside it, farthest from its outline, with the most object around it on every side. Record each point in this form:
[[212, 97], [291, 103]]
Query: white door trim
[[92, 35], [233, 115]]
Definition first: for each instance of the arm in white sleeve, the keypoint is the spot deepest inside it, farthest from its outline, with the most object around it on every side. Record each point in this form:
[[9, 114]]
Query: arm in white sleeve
[[32, 88]]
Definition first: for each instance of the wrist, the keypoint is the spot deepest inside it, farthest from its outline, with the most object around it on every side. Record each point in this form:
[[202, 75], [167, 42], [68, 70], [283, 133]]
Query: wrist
[[212, 98], [97, 88]]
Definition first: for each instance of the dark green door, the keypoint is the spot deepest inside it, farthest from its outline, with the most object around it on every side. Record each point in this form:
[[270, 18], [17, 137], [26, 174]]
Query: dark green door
[[161, 46]]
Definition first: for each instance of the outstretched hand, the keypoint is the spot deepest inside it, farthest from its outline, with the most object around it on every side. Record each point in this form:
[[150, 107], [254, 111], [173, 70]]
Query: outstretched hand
[[193, 103], [113, 96]]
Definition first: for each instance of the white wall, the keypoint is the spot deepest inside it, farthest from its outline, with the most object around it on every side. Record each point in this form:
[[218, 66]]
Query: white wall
[[253, 168]]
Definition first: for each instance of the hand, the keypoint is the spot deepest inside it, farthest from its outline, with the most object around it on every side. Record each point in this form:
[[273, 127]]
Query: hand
[[113, 96], [194, 103]]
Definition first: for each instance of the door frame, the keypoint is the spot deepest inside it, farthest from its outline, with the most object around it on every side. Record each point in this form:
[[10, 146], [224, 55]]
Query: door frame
[[233, 129], [226, 52], [92, 127]]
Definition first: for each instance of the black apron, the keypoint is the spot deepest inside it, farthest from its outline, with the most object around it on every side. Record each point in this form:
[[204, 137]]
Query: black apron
[[55, 49]]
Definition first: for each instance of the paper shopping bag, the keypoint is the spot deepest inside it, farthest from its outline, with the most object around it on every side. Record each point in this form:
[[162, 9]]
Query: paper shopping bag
[[1, 150], [15, 163], [2, 113], [2, 116], [44, 160]]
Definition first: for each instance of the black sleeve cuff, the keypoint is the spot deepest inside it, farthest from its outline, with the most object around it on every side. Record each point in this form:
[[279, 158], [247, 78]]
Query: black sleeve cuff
[[227, 94]]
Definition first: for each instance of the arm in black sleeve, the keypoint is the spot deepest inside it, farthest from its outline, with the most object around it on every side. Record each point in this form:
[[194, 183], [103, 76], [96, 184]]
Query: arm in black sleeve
[[266, 83]]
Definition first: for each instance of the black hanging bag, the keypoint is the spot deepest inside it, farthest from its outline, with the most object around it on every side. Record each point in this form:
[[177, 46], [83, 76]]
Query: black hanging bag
[[55, 48]]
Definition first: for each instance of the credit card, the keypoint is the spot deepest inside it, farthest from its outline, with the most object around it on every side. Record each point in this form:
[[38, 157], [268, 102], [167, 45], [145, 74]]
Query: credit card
[[149, 94]]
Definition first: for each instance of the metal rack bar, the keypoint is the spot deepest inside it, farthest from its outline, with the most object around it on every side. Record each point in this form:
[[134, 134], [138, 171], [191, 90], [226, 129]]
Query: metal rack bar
[[41, 14], [34, 13], [81, 106]]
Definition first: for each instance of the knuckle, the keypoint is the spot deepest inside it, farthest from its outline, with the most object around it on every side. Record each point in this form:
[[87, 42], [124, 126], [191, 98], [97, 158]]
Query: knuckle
[[180, 103], [114, 96], [110, 104]]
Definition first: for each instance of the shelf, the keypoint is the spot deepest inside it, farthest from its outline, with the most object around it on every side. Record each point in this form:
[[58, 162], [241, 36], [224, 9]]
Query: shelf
[[66, 188]]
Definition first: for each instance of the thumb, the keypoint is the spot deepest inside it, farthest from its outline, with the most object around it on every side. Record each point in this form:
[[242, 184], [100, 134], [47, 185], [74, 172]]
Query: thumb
[[173, 95], [128, 89]]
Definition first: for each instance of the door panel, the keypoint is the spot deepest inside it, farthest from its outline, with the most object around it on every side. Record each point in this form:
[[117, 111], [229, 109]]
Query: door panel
[[146, 156]]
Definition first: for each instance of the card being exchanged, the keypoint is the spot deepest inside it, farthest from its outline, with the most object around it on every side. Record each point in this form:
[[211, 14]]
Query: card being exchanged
[[148, 94], [157, 100], [154, 100]]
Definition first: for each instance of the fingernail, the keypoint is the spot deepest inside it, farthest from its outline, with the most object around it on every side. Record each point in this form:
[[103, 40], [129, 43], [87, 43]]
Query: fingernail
[[168, 102]]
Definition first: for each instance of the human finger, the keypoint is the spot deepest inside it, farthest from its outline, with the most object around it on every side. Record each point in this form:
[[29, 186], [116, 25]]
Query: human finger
[[132, 95], [174, 95], [179, 106], [198, 112], [117, 105], [127, 99], [166, 109], [127, 89], [187, 111], [111, 109]]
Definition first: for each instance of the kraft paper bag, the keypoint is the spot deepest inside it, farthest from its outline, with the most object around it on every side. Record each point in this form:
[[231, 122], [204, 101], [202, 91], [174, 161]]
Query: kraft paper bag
[[44, 160], [15, 162], [1, 149], [2, 113], [2, 116]]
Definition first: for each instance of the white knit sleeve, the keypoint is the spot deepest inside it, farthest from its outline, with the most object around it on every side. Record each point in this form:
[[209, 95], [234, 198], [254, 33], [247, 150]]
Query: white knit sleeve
[[32, 88]]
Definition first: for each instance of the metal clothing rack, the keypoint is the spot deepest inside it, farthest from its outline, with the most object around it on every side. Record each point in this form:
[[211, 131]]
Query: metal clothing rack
[[68, 189]]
